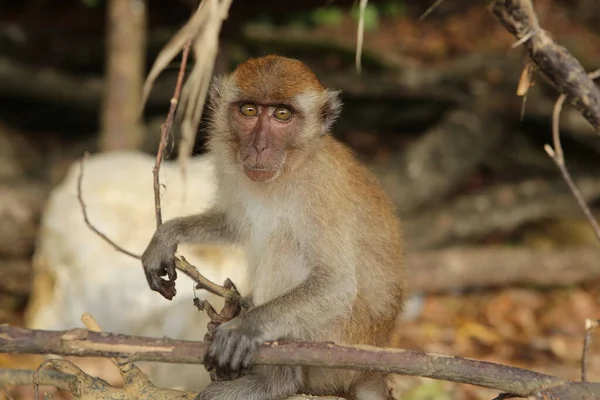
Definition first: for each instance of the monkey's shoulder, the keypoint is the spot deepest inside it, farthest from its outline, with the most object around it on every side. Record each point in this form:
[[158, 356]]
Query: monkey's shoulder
[[364, 186]]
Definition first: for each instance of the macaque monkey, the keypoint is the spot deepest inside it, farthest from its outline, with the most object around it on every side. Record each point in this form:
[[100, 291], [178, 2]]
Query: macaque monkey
[[322, 239]]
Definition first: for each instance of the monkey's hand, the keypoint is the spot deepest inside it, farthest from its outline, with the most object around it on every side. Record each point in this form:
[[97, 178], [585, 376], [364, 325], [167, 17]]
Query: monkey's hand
[[159, 260], [233, 348]]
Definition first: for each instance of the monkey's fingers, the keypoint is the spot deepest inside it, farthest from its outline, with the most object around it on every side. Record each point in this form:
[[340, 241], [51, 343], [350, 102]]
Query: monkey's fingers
[[171, 271], [154, 276], [209, 363], [210, 359], [226, 343], [244, 349], [246, 362], [160, 285], [164, 287]]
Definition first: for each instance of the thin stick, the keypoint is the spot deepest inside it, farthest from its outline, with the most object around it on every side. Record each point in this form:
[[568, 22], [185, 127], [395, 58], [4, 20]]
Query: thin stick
[[429, 10], [166, 130], [590, 326], [227, 293], [91, 324], [87, 220], [557, 155], [360, 34], [6, 393]]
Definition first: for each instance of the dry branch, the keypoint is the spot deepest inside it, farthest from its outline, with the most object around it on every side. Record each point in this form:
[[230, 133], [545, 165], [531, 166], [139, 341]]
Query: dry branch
[[52, 378], [500, 208], [479, 267], [202, 30], [229, 293], [86, 387], [557, 155], [459, 142], [24, 82], [560, 68], [80, 342], [71, 383], [165, 131], [86, 219]]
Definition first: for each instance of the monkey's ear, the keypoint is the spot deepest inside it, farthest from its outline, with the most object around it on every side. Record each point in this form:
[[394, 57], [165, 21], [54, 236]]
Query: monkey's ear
[[331, 110]]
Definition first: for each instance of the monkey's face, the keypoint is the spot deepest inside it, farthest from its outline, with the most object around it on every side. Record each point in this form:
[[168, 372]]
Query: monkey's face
[[265, 133], [269, 115]]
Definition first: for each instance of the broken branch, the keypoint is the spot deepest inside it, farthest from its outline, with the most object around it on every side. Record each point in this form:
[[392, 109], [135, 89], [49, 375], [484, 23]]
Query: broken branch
[[556, 63], [558, 157]]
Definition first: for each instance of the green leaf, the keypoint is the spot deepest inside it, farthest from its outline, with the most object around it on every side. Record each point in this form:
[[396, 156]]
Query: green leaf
[[327, 16]]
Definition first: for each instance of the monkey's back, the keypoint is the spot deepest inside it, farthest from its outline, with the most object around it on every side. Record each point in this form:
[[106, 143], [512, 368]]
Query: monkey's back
[[379, 254], [373, 230]]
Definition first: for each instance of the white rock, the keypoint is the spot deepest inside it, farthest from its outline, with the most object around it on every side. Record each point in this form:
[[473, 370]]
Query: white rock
[[76, 271]]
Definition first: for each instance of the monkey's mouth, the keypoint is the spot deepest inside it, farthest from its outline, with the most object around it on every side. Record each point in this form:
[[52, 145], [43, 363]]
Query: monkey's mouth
[[258, 174]]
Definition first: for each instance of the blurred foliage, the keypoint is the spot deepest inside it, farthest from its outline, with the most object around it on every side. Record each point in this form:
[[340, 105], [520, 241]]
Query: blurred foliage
[[333, 16], [327, 16], [91, 3], [393, 9]]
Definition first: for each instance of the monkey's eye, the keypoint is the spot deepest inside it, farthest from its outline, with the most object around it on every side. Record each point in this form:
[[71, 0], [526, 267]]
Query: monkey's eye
[[249, 110], [282, 113]]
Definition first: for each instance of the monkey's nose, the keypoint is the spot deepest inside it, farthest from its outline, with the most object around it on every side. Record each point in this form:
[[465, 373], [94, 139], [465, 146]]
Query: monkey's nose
[[260, 147]]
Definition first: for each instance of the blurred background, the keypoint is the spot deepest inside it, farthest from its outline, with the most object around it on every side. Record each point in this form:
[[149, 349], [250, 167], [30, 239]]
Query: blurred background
[[503, 266]]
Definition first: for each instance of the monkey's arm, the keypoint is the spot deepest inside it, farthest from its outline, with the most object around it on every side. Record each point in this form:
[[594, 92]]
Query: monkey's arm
[[325, 295], [159, 257]]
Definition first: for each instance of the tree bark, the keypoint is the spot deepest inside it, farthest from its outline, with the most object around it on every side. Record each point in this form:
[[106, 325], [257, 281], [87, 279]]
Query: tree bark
[[126, 45]]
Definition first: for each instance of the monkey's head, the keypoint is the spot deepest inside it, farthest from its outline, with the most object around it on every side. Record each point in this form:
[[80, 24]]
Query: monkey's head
[[268, 116]]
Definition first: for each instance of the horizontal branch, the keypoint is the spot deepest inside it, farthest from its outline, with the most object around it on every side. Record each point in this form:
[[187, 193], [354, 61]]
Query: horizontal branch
[[495, 266], [80, 342]]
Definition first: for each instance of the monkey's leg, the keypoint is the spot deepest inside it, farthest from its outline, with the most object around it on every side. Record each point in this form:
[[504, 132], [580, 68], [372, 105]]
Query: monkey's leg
[[372, 387], [264, 383]]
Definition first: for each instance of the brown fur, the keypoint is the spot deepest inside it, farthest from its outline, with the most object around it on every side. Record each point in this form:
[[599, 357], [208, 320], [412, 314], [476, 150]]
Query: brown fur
[[323, 242], [276, 78]]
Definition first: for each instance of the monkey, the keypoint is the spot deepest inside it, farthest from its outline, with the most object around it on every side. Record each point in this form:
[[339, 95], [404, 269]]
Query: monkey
[[322, 239]]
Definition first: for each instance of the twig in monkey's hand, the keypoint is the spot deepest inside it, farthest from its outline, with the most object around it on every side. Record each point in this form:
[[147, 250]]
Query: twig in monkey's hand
[[560, 68], [557, 156], [86, 218], [228, 291]]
